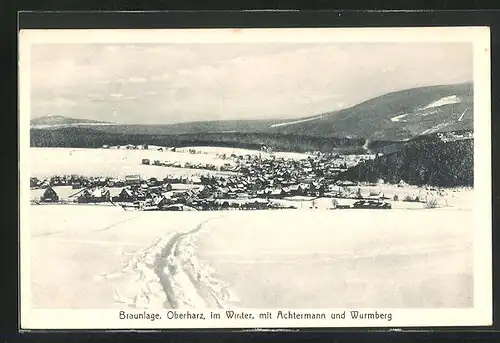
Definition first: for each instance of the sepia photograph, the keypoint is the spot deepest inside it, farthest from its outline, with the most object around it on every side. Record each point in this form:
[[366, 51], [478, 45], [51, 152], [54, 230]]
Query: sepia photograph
[[255, 178]]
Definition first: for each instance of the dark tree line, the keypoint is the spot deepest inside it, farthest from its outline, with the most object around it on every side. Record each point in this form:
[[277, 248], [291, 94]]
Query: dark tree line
[[89, 138]]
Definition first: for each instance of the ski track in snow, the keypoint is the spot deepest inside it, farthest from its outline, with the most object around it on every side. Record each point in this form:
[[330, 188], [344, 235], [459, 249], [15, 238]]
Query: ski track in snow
[[116, 224], [168, 274]]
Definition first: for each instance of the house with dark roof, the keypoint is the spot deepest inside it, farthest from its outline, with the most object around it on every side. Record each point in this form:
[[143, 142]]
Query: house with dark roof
[[49, 195], [126, 195], [95, 195], [132, 179], [278, 193], [34, 182]]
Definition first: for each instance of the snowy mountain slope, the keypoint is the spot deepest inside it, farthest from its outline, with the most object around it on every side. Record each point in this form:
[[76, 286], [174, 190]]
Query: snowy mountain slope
[[394, 116], [397, 116]]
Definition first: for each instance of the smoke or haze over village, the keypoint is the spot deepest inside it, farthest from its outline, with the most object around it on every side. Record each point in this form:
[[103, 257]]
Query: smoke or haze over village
[[168, 83]]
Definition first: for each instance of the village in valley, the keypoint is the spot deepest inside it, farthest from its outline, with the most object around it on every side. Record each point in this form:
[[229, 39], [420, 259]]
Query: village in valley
[[247, 180], [197, 175]]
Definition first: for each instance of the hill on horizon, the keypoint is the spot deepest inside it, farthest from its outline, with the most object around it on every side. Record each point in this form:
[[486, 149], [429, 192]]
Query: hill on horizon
[[60, 121], [395, 116], [398, 115]]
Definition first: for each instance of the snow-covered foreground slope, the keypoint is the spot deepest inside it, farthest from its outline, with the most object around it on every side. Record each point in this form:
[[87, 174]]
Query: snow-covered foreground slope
[[352, 258], [82, 257], [103, 257]]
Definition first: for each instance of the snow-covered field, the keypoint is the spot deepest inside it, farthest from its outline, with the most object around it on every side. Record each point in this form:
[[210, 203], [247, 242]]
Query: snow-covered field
[[103, 257], [78, 253], [46, 162], [462, 198], [329, 259]]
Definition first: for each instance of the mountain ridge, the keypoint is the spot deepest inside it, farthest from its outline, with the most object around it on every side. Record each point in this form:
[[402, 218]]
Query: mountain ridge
[[394, 117], [399, 115], [417, 108]]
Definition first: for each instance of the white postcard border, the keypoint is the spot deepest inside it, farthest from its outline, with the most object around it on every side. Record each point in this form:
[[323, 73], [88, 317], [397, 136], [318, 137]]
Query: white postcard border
[[481, 314]]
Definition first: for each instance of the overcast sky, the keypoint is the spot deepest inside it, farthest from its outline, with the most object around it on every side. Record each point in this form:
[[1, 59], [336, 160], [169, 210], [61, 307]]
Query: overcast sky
[[167, 83]]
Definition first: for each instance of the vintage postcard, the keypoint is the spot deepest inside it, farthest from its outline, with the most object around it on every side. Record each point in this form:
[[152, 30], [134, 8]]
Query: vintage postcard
[[255, 178]]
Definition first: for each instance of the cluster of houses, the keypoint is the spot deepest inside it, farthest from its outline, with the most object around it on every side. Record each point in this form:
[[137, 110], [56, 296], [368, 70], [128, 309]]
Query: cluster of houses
[[87, 195], [455, 136], [311, 175], [276, 170], [145, 147], [128, 147], [222, 195], [257, 182], [76, 181], [317, 163], [80, 182], [155, 197], [177, 164]]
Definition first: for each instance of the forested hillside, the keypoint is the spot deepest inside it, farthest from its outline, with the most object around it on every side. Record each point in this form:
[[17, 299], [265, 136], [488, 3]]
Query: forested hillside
[[423, 162]]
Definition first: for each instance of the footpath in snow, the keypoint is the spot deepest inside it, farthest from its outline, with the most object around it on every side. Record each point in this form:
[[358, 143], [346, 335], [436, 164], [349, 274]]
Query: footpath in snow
[[169, 275]]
